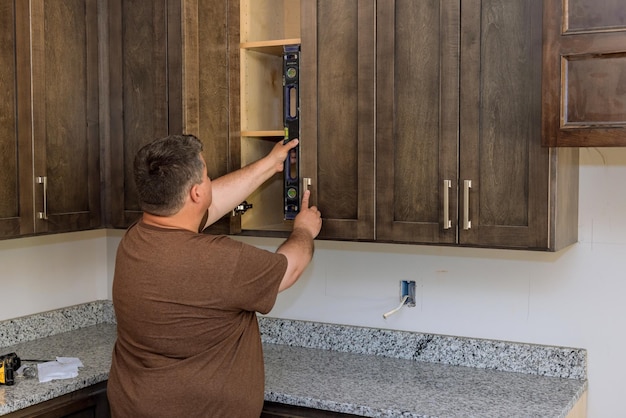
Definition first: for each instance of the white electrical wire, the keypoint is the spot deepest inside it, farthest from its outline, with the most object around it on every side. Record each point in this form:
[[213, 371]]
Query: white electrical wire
[[393, 311]]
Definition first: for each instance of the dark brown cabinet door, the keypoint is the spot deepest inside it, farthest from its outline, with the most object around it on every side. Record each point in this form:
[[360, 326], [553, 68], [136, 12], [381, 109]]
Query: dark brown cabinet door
[[501, 126], [16, 178], [584, 73], [65, 115], [210, 88], [511, 200], [417, 107], [145, 90], [170, 77], [337, 94], [51, 150]]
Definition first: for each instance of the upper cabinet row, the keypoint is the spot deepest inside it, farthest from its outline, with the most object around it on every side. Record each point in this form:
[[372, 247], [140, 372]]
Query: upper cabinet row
[[420, 123]]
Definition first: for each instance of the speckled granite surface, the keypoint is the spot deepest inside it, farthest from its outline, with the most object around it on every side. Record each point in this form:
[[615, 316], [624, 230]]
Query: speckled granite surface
[[92, 345], [375, 386], [497, 355], [361, 371], [44, 324]]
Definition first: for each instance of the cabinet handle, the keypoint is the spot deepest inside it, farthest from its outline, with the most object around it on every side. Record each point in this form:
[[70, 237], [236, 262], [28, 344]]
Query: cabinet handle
[[467, 185], [306, 183], [43, 180], [447, 223]]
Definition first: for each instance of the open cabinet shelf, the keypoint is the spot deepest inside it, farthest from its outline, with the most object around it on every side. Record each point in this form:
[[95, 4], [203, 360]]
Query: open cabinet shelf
[[266, 27], [275, 134], [273, 47]]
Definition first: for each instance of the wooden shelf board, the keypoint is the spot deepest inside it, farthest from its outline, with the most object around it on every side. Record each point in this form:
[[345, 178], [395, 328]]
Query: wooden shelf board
[[277, 133], [273, 47]]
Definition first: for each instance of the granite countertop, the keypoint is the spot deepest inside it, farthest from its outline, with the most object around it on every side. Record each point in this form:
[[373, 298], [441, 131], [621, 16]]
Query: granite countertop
[[92, 345], [376, 373], [373, 386]]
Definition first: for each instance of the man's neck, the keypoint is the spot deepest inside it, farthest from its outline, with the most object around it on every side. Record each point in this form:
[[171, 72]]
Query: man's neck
[[169, 222]]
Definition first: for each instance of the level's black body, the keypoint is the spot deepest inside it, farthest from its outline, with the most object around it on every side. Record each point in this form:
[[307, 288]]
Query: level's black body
[[291, 112]]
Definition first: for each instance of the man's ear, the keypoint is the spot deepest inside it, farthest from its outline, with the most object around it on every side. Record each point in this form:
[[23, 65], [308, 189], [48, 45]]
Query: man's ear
[[194, 193]]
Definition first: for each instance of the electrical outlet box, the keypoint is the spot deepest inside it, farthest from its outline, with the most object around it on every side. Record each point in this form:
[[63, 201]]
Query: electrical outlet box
[[407, 288]]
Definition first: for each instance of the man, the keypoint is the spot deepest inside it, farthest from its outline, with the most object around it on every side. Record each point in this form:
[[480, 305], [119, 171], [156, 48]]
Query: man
[[188, 342]]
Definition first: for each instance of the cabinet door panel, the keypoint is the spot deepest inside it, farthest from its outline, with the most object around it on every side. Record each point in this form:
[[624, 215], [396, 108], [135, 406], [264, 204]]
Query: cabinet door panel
[[16, 210], [501, 126], [171, 71], [65, 113], [417, 120], [212, 85], [140, 83], [337, 94], [210, 88]]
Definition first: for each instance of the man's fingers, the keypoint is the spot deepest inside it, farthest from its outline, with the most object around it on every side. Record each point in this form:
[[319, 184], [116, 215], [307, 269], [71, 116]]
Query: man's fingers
[[305, 199], [293, 143]]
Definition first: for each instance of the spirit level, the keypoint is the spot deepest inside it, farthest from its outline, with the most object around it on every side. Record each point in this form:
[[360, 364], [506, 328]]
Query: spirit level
[[291, 118]]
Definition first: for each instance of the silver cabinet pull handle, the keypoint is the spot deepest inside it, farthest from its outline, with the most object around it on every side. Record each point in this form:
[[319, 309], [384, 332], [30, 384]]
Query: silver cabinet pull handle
[[447, 223], [467, 185], [43, 180]]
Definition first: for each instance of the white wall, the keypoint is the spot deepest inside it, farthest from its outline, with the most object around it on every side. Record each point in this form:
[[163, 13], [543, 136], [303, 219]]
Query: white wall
[[571, 298], [39, 274]]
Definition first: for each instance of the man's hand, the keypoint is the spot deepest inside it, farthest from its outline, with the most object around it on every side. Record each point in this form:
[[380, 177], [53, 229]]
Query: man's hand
[[309, 218], [298, 248], [279, 153], [233, 188]]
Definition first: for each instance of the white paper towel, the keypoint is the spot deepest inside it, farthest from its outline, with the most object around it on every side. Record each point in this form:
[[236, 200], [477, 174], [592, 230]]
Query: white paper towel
[[62, 368]]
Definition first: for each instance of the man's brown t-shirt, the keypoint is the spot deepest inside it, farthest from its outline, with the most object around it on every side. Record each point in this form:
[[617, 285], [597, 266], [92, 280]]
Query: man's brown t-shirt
[[188, 342]]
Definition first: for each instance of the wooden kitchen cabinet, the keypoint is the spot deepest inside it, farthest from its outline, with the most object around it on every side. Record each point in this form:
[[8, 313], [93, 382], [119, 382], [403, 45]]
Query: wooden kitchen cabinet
[[421, 123], [459, 156], [336, 108], [584, 73], [169, 73], [175, 68], [50, 179], [403, 104], [90, 402], [266, 27]]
